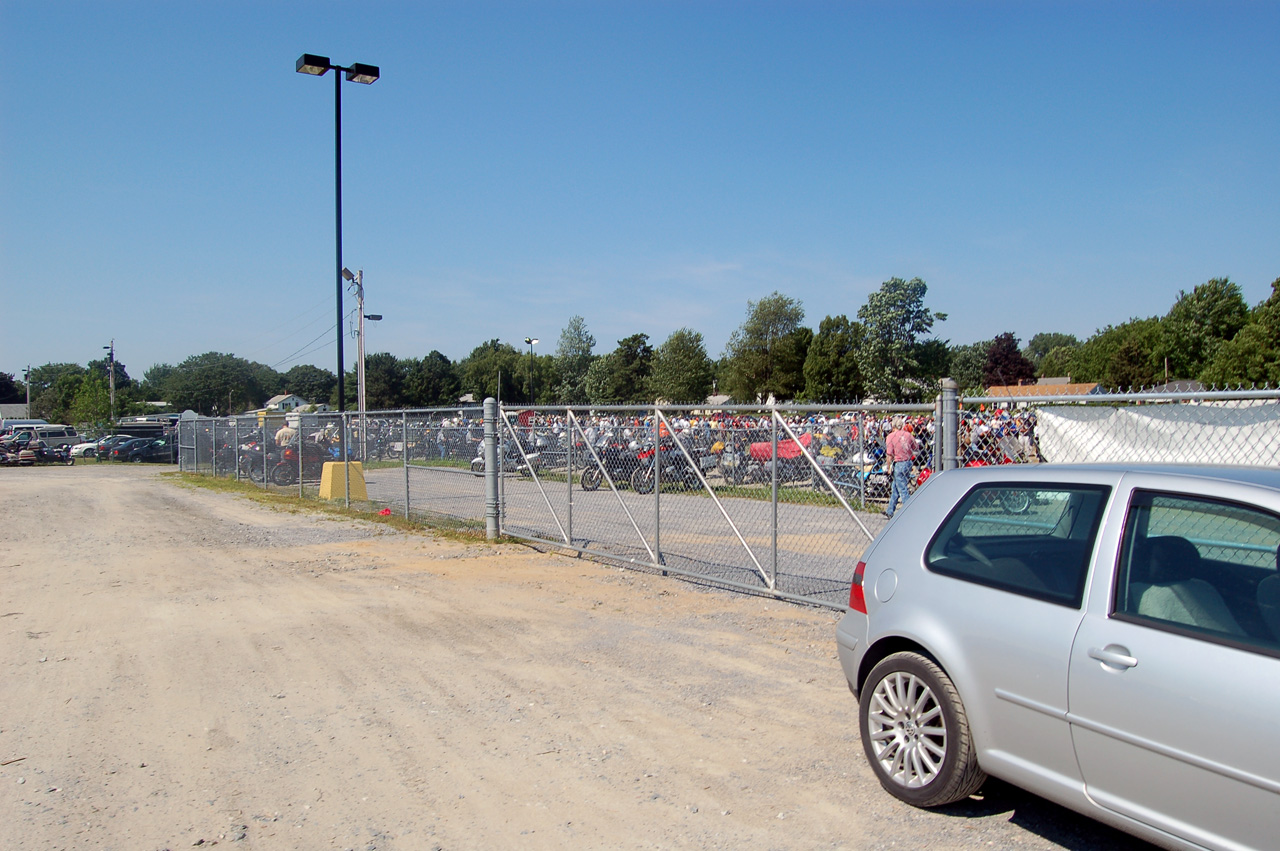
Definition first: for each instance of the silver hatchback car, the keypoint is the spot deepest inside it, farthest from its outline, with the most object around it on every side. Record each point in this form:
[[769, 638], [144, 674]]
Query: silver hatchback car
[[1106, 637]]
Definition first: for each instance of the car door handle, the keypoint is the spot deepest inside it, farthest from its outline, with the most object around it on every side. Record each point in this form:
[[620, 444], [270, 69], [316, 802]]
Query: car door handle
[[1114, 656]]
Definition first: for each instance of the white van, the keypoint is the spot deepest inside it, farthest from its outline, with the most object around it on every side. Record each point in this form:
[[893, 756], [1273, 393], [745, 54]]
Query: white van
[[54, 435]]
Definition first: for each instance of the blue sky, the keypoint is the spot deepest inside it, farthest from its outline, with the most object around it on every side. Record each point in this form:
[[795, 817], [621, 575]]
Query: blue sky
[[167, 178]]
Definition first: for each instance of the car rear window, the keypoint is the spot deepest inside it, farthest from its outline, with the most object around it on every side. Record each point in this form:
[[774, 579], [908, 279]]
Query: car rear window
[[1029, 539]]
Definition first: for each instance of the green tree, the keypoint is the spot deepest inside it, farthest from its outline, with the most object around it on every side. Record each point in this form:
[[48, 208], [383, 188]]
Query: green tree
[[682, 371], [155, 383], [598, 382], [1130, 366], [12, 391], [1096, 358], [831, 371], [384, 380], [493, 369], [432, 382], [1039, 347], [573, 359], [967, 366], [91, 405], [53, 388], [1198, 323], [1252, 356], [895, 319], [1006, 365], [309, 382], [215, 381], [1058, 361], [765, 355]]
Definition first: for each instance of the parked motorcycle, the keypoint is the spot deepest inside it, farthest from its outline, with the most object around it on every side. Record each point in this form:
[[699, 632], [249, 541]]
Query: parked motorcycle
[[619, 460], [511, 458], [314, 456], [747, 462], [670, 460]]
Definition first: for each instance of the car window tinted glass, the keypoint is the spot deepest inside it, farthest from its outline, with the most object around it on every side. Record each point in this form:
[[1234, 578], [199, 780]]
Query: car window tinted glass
[[1202, 567], [1031, 539]]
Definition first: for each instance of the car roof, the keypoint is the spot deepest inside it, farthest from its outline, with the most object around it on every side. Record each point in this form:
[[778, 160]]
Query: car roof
[[1268, 477]]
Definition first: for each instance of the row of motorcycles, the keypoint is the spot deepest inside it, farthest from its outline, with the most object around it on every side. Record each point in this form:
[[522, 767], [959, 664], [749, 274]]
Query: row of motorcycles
[[34, 453], [739, 458]]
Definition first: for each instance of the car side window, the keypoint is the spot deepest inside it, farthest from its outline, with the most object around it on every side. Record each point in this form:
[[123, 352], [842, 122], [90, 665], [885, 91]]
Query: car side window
[[1202, 567], [1029, 539]]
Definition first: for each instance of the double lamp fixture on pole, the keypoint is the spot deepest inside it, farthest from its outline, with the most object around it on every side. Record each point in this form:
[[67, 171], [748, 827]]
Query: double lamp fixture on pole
[[357, 73]]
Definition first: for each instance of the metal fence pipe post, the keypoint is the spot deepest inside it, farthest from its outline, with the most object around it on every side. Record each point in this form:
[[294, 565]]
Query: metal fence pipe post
[[302, 433], [569, 434], [404, 457], [657, 486], [862, 458], [491, 468], [346, 460], [263, 442], [773, 429], [213, 446], [236, 445], [951, 424], [937, 434]]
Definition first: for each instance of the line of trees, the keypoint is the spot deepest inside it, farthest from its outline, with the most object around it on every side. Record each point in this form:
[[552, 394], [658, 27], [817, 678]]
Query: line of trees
[[887, 352]]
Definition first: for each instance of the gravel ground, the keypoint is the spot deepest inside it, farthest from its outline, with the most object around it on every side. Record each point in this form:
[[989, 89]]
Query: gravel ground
[[184, 668]]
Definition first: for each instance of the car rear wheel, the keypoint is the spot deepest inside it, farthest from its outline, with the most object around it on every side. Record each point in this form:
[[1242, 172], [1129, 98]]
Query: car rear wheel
[[916, 734]]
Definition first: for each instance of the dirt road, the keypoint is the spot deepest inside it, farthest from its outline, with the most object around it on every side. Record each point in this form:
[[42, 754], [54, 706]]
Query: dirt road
[[183, 668]]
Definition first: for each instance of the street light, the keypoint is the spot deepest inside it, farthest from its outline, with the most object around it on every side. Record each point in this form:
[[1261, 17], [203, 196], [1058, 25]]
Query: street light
[[531, 341], [317, 66]]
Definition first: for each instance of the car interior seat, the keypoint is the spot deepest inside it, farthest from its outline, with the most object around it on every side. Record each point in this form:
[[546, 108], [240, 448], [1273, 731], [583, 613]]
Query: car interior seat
[[1269, 600], [1169, 588]]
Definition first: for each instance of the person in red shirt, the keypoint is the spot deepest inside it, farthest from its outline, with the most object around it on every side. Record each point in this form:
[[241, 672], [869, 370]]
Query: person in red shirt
[[900, 448]]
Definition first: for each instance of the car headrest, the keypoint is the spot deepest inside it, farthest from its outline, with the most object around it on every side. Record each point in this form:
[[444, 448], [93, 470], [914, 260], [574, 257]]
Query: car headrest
[[1171, 559]]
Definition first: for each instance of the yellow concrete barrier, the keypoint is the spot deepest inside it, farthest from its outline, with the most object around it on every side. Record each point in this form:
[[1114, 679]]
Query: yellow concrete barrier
[[333, 481]]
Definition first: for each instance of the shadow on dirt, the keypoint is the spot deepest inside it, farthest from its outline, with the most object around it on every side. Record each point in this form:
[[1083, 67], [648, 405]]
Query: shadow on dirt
[[1044, 818]]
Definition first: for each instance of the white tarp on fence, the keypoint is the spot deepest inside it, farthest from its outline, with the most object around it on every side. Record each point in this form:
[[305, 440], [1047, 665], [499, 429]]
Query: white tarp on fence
[[1230, 432]]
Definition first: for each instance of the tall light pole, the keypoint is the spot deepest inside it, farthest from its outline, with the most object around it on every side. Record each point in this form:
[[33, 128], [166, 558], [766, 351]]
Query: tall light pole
[[111, 377], [26, 379], [317, 66], [531, 341]]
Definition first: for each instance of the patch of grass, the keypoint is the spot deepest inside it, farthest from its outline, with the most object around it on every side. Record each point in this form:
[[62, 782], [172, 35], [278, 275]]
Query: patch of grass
[[450, 528]]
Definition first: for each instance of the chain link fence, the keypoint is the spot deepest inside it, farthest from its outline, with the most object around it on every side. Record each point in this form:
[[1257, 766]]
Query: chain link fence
[[779, 500]]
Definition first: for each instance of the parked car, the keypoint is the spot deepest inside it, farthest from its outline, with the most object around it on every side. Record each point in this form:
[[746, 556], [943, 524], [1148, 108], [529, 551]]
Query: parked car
[[161, 451], [88, 449], [106, 444], [120, 451], [1106, 637]]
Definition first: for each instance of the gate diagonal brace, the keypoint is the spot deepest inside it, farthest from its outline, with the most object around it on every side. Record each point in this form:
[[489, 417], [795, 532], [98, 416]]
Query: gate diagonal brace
[[573, 420], [534, 474], [823, 473]]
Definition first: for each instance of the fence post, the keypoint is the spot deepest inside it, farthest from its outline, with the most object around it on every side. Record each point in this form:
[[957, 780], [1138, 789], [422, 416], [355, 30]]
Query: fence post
[[773, 428], [950, 424], [214, 446], [491, 468], [404, 457], [346, 460], [235, 442], [569, 434], [657, 485]]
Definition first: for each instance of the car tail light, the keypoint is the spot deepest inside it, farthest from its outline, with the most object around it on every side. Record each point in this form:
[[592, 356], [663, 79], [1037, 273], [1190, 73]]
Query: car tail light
[[857, 598]]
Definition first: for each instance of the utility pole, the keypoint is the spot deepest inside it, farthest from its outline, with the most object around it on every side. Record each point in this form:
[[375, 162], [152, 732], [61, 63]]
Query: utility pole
[[26, 379], [111, 376]]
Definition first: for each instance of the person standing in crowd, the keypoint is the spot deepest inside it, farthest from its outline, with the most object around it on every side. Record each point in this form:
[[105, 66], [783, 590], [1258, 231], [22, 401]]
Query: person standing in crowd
[[900, 448]]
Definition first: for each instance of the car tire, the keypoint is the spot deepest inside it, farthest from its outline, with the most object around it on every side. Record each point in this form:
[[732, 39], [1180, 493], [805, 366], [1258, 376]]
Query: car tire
[[137, 459], [591, 479], [915, 732]]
